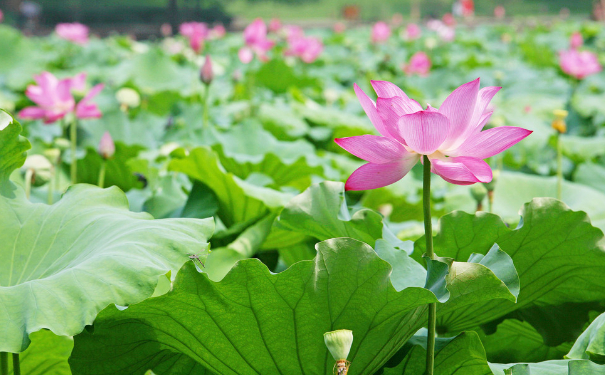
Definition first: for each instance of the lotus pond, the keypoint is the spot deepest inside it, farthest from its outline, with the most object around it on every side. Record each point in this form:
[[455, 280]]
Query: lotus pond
[[166, 212]]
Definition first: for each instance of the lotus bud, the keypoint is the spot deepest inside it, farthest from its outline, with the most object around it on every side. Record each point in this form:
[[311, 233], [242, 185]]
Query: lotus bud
[[106, 147], [206, 74], [339, 344], [38, 169], [62, 143], [53, 154], [128, 98], [559, 122], [478, 191], [490, 186]]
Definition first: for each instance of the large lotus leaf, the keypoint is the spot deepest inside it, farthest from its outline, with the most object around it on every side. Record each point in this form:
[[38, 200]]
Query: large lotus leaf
[[47, 355], [321, 212], [61, 264], [591, 343], [580, 149], [13, 150], [557, 367], [249, 149], [558, 254], [239, 201], [256, 322], [513, 189], [462, 354], [516, 341]]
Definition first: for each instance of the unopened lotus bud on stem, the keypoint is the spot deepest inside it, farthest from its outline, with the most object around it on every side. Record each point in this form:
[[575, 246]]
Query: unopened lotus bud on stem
[[478, 192], [339, 344], [559, 125], [106, 149], [559, 122]]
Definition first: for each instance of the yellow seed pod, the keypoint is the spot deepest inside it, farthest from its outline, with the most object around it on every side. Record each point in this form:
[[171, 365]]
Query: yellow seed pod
[[559, 122]]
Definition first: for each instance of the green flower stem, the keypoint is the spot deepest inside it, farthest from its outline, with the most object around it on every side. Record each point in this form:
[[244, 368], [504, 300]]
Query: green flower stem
[[428, 234], [102, 174], [205, 103], [16, 365], [559, 167], [74, 159], [51, 183], [29, 174], [3, 363]]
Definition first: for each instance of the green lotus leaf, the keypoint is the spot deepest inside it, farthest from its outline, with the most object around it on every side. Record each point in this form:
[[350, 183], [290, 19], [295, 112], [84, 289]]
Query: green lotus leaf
[[462, 354], [558, 254], [47, 355], [240, 202], [321, 211], [61, 264], [591, 343], [257, 322]]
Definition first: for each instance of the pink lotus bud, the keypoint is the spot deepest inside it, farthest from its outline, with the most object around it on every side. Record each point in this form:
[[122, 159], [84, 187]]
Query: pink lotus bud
[[166, 30], [576, 40], [449, 19], [206, 74], [106, 147], [274, 25], [412, 31], [380, 32], [499, 12]]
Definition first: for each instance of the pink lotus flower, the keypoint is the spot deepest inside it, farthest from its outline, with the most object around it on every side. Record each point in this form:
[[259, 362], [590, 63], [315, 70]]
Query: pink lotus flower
[[74, 32], [499, 12], [412, 31], [55, 100], [307, 48], [576, 41], [217, 32], [293, 31], [420, 64], [579, 64], [274, 25], [255, 37], [381, 32], [449, 19], [450, 136], [196, 32]]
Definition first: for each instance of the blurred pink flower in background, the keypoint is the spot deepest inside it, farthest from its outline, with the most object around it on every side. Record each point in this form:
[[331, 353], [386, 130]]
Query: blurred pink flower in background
[[450, 136], [419, 64], [166, 30], [293, 31], [274, 25], [576, 41], [447, 34], [397, 19], [380, 32], [255, 37], [206, 73], [307, 48], [107, 147], [74, 32], [196, 32], [449, 19], [217, 32], [579, 64], [412, 31], [499, 12], [54, 98], [339, 27], [1, 16]]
